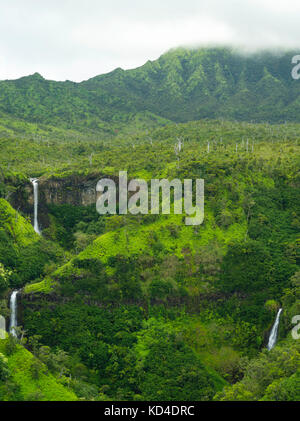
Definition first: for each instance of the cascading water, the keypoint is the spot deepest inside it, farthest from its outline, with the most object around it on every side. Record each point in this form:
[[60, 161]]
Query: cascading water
[[274, 332], [13, 313], [35, 184]]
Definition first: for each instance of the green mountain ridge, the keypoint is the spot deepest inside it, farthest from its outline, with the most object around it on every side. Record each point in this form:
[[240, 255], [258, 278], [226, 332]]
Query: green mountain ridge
[[182, 85]]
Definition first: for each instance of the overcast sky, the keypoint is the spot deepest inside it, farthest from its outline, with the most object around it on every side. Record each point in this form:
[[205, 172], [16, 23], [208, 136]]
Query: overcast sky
[[78, 39]]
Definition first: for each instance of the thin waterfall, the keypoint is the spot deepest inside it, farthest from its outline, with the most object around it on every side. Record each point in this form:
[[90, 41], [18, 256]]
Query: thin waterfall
[[274, 332], [35, 184], [13, 313]]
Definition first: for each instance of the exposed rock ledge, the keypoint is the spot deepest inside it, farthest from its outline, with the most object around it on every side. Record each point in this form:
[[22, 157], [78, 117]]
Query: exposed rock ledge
[[75, 190]]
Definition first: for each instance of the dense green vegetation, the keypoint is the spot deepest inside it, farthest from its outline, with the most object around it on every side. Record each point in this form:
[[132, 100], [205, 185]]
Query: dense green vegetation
[[24, 377], [182, 85], [144, 307], [22, 251]]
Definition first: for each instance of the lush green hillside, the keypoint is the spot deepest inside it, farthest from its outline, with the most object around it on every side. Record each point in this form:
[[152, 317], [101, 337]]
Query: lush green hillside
[[144, 307], [23, 377], [23, 253], [139, 288], [182, 85], [273, 376]]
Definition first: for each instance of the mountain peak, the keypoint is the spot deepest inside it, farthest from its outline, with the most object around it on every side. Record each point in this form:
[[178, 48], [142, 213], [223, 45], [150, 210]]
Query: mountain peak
[[36, 75]]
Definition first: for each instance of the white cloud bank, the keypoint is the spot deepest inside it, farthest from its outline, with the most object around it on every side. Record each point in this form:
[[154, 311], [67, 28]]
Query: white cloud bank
[[76, 39]]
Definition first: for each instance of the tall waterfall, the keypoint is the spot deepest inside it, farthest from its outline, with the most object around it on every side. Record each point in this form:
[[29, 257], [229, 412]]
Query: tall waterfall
[[13, 313], [35, 184], [274, 332]]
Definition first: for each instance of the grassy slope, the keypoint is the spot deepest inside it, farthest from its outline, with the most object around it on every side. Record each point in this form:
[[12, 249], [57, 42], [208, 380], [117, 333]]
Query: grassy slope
[[19, 228], [45, 387], [118, 242]]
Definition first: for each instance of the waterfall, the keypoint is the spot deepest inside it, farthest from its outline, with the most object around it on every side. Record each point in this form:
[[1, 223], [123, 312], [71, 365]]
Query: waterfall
[[35, 184], [274, 331], [13, 313]]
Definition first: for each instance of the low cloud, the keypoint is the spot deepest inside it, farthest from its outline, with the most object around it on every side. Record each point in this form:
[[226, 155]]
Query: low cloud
[[70, 39]]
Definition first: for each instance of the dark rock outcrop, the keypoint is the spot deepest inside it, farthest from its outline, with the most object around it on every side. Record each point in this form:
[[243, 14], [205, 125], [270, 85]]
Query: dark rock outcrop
[[76, 190]]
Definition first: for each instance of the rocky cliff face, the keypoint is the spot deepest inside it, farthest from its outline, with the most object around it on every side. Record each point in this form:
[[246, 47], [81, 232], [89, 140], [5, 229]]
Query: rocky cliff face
[[74, 190]]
